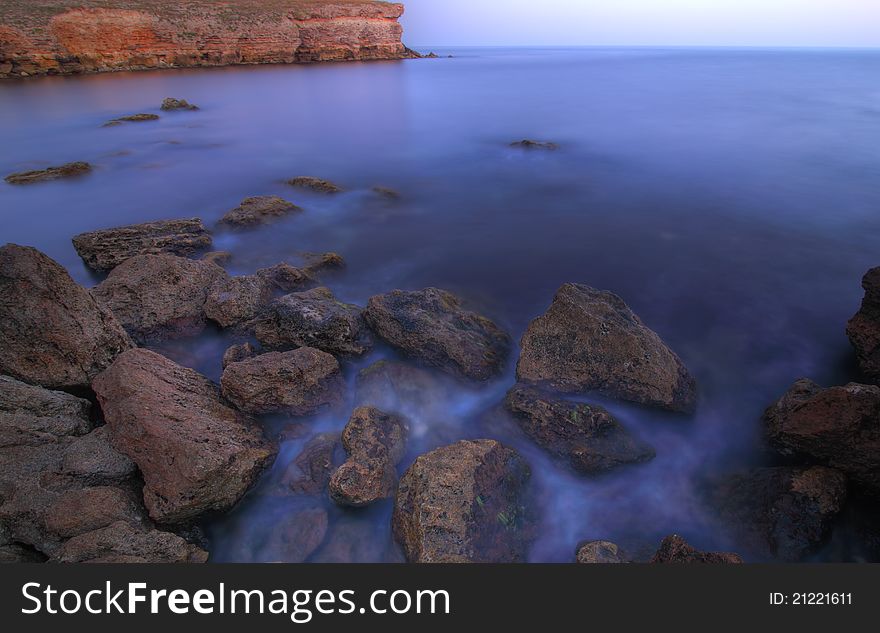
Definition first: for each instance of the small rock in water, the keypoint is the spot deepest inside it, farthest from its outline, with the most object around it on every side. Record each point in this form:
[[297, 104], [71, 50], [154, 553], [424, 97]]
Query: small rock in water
[[316, 263], [387, 193], [67, 170], [315, 184], [133, 118], [530, 144], [258, 211], [238, 353], [220, 258], [674, 549], [431, 55], [170, 103], [600, 552], [309, 473], [863, 329]]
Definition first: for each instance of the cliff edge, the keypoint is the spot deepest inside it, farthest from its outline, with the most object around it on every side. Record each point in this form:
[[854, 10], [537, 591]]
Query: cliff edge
[[40, 37]]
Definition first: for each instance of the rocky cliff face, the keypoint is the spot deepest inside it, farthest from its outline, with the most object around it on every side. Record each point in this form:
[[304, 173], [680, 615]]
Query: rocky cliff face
[[39, 37]]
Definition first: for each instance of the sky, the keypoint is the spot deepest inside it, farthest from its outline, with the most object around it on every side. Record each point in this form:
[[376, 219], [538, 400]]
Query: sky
[[847, 23]]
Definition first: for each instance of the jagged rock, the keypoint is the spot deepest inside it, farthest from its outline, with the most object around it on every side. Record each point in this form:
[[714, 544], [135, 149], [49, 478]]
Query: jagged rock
[[600, 552], [86, 509], [238, 353], [196, 454], [431, 326], [315, 184], [160, 297], [464, 503], [309, 473], [33, 416], [105, 249], [314, 318], [863, 329], [132, 118], [780, 513], [299, 382], [586, 437], [530, 144], [54, 333], [257, 211], [589, 340], [93, 460], [68, 170], [170, 103], [838, 427], [122, 542], [674, 549]]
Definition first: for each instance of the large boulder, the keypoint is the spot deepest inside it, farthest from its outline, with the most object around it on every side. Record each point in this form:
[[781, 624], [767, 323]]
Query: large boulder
[[160, 297], [674, 549], [375, 442], [197, 454], [589, 340], [431, 326], [53, 332], [838, 427], [863, 329], [464, 503], [586, 437], [781, 513], [298, 382], [257, 211], [121, 542], [105, 249]]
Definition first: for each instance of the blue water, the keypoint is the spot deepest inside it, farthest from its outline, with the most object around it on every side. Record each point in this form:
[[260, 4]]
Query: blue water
[[731, 197]]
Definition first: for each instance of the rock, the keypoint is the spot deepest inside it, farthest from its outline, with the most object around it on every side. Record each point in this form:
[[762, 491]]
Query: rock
[[586, 437], [431, 55], [16, 553], [170, 103], [352, 539], [295, 536], [133, 118], [316, 263], [238, 353], [197, 455], [600, 552], [315, 184], [123, 543], [530, 144], [393, 386], [589, 340], [104, 250], [310, 472], [780, 513], [54, 333], [314, 318], [68, 170], [431, 326], [838, 427], [220, 258], [93, 460], [863, 329], [299, 382], [674, 549], [375, 442], [464, 503], [258, 211], [160, 297], [33, 416], [387, 193], [86, 509]]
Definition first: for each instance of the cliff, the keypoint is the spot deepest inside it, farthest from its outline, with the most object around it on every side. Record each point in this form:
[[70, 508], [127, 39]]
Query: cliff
[[39, 37]]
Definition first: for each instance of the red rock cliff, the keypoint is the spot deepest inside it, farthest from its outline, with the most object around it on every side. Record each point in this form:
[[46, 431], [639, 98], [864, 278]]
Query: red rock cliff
[[39, 37]]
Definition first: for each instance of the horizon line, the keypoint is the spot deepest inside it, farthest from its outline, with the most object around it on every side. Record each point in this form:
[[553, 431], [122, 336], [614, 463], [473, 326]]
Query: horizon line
[[666, 46]]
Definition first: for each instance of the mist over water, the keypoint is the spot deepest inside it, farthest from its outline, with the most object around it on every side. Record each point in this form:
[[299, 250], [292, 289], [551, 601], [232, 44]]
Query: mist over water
[[730, 197]]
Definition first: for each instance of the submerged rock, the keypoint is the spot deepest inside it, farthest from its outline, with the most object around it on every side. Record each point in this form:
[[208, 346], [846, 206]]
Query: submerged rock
[[53, 332], [104, 250], [838, 427], [600, 552], [863, 329], [314, 318], [197, 455], [431, 326], [68, 170], [674, 549], [220, 258], [170, 103], [160, 297], [584, 436], [309, 473], [387, 192], [295, 536], [299, 382], [464, 503], [391, 385], [132, 118], [319, 262], [530, 144], [589, 340], [122, 542], [315, 184], [780, 513], [258, 211]]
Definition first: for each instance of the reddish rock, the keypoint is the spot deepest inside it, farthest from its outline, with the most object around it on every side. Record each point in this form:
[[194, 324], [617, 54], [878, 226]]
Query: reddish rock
[[54, 333], [87, 509], [92, 460], [68, 170], [197, 455], [122, 542], [309, 473], [589, 340], [464, 503], [431, 326], [258, 211], [863, 329], [105, 249], [299, 382], [33, 416], [674, 549], [600, 552], [238, 353]]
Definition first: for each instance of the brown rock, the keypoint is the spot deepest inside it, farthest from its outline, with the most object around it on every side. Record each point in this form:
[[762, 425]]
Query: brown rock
[[258, 211], [431, 326], [299, 382], [33, 415], [360, 482], [238, 353], [296, 536], [86, 509], [315, 184], [170, 103], [286, 278], [316, 263], [93, 460], [196, 454], [105, 249], [310, 472], [674, 549], [863, 329], [54, 333], [464, 503], [132, 118], [160, 297], [838, 427], [600, 552], [589, 340], [314, 318], [122, 542], [68, 170], [220, 258]]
